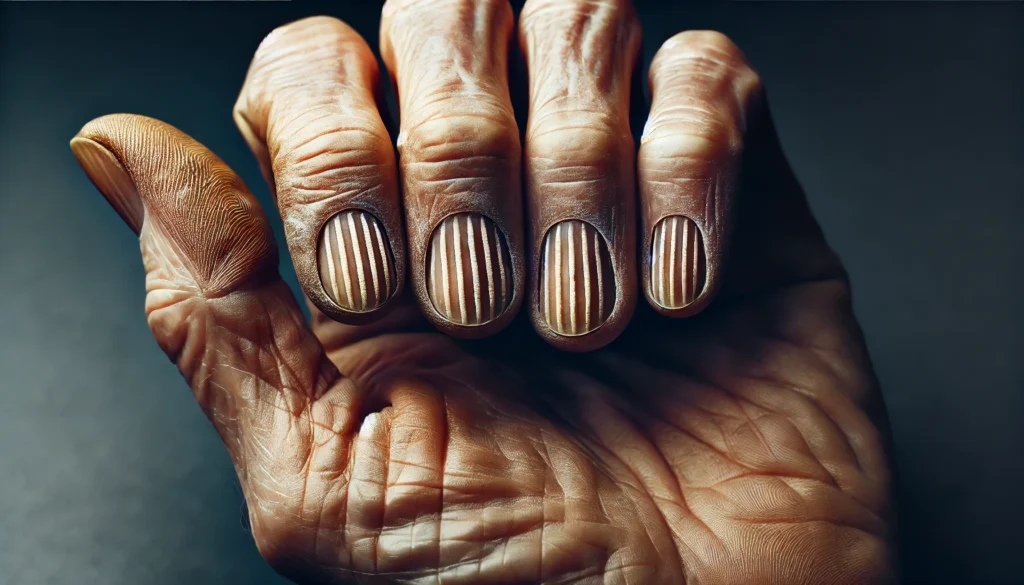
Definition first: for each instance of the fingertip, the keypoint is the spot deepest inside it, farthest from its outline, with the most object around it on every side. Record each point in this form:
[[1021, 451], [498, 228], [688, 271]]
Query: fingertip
[[148, 169], [597, 338]]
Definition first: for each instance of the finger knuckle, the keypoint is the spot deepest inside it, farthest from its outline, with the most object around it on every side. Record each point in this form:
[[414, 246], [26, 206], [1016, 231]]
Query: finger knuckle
[[346, 157], [701, 43], [538, 12], [709, 53], [592, 146], [689, 132], [306, 57], [703, 88], [408, 14], [485, 134], [291, 51], [300, 31]]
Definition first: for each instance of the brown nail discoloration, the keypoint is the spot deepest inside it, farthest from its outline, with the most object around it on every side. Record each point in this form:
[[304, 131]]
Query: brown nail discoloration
[[355, 261], [678, 263], [577, 282], [469, 270], [111, 178]]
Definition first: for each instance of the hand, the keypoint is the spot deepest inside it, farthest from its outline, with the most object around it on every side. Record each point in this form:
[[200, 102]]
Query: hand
[[738, 445]]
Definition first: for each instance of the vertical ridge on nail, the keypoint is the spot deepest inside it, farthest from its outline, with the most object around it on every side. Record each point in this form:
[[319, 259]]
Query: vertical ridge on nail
[[459, 275], [577, 284], [488, 266], [111, 178], [677, 262], [558, 278], [462, 288], [358, 254], [442, 251], [373, 265], [355, 262]]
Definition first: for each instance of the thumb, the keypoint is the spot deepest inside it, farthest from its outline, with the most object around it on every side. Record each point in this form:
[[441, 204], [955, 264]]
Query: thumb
[[214, 300]]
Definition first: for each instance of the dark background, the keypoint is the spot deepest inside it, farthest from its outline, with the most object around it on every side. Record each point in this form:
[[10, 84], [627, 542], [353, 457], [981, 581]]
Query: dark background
[[903, 121]]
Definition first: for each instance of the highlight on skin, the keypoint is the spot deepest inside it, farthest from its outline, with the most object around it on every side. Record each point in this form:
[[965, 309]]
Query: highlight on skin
[[111, 178], [577, 280], [678, 262], [355, 263], [469, 270]]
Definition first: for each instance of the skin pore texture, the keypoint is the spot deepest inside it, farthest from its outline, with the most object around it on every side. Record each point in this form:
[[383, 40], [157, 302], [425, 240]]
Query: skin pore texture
[[724, 426]]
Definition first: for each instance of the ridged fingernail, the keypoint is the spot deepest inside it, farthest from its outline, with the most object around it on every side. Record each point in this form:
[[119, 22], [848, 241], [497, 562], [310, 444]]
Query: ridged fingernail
[[677, 262], [111, 178], [469, 277], [577, 281], [355, 261]]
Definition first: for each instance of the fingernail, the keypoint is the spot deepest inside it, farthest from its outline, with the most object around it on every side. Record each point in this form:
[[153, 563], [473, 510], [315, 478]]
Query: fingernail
[[111, 178], [469, 276], [577, 281], [355, 261], [677, 262]]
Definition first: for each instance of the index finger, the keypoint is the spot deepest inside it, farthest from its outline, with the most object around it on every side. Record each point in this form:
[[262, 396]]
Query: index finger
[[308, 112]]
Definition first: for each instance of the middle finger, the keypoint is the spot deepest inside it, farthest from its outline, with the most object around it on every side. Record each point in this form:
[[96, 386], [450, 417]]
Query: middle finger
[[459, 156]]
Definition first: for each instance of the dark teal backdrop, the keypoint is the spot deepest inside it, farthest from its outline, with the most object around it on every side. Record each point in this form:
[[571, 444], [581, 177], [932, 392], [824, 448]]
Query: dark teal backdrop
[[903, 121]]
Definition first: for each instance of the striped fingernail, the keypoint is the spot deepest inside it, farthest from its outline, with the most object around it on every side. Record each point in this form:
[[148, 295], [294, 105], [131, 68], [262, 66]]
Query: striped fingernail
[[111, 178], [577, 285], [677, 262], [355, 263], [469, 277]]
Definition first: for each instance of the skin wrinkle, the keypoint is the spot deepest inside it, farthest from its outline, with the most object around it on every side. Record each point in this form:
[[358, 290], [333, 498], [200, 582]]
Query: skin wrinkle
[[712, 383], [749, 474], [427, 136], [835, 426], [287, 123], [793, 520], [588, 116], [443, 467], [856, 462], [640, 483], [721, 453], [803, 393]]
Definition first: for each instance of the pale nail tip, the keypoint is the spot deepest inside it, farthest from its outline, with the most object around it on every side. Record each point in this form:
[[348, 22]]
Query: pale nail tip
[[564, 333], [469, 270], [673, 307], [355, 262], [111, 178], [577, 281], [678, 263]]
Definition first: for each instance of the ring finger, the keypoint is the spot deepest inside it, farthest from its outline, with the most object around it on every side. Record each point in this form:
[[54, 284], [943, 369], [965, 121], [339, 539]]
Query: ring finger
[[579, 168]]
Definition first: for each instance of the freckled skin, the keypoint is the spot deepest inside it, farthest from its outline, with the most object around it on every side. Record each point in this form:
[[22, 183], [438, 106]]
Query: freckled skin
[[744, 444]]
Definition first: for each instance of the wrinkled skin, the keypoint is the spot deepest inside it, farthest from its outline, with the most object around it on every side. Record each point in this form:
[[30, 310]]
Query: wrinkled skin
[[745, 444]]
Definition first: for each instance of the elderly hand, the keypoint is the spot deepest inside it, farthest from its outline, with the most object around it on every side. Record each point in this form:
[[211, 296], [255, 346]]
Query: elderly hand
[[725, 429]]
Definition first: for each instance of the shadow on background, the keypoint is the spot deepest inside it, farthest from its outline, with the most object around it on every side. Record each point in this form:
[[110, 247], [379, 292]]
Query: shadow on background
[[902, 120]]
